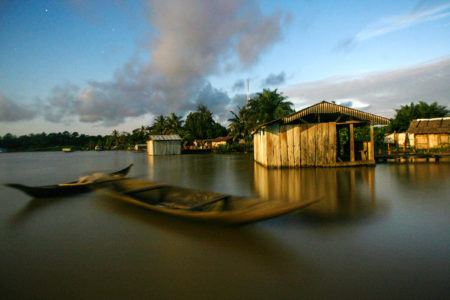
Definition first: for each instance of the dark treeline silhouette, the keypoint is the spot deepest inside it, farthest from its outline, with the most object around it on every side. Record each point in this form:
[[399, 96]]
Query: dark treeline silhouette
[[200, 124]]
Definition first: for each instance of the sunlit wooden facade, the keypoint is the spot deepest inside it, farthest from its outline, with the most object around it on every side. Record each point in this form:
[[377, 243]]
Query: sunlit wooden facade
[[309, 138], [430, 133]]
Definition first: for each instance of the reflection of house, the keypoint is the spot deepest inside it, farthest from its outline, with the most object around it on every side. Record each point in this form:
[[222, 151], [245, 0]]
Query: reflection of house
[[310, 137], [430, 133], [221, 141], [342, 191], [164, 144], [140, 147]]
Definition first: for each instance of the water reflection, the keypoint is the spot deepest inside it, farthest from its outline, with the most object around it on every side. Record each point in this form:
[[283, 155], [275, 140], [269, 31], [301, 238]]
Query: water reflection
[[421, 175], [344, 192], [246, 241]]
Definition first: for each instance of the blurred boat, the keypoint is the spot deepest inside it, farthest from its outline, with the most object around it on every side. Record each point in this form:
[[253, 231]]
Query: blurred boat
[[70, 188], [199, 205]]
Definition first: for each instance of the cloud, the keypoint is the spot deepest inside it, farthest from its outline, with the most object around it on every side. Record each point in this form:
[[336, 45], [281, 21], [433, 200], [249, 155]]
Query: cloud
[[395, 23], [420, 14], [274, 79], [382, 92], [11, 112], [238, 85], [195, 39]]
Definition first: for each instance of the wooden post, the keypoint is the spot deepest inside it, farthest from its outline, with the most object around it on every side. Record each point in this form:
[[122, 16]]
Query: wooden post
[[352, 144], [371, 149]]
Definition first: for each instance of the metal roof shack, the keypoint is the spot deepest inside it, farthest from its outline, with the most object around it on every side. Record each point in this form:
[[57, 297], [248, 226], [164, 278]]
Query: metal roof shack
[[310, 138], [164, 144], [325, 112], [171, 137]]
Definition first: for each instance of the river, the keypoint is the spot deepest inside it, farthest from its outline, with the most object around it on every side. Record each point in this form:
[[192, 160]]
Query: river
[[377, 233]]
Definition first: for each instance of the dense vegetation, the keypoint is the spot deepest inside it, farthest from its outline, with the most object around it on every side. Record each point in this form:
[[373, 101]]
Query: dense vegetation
[[200, 124]]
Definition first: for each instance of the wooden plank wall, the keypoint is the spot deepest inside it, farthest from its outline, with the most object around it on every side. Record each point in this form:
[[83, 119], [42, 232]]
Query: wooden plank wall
[[163, 147], [300, 145]]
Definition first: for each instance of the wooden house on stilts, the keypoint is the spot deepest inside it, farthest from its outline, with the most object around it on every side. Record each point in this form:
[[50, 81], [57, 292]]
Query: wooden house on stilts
[[310, 138]]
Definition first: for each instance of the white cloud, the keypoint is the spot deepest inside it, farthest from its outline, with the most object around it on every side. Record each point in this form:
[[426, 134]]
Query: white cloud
[[380, 93], [11, 112], [395, 23], [195, 39]]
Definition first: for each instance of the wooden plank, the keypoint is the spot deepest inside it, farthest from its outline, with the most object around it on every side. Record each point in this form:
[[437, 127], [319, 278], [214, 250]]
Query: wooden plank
[[255, 147], [290, 145], [325, 143], [320, 149], [297, 146], [276, 145], [332, 142], [311, 156], [283, 146], [352, 143], [371, 148], [304, 145], [269, 147]]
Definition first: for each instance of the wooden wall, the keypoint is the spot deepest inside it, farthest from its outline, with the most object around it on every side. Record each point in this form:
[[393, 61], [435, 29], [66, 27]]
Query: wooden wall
[[163, 147], [299, 145]]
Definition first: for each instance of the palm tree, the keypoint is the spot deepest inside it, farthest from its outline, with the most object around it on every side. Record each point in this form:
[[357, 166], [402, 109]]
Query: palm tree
[[241, 124], [270, 105], [159, 125], [173, 124]]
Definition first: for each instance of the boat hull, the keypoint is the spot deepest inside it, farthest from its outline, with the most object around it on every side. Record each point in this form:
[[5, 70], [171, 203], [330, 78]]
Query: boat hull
[[67, 189], [200, 205]]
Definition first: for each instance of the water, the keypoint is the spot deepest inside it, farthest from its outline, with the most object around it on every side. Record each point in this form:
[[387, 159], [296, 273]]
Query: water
[[376, 233]]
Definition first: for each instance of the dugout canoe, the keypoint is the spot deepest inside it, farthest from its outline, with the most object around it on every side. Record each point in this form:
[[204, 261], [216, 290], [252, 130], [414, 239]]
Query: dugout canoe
[[82, 185], [199, 205]]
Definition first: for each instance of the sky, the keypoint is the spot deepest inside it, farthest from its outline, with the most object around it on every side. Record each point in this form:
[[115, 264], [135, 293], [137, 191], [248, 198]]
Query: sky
[[96, 66]]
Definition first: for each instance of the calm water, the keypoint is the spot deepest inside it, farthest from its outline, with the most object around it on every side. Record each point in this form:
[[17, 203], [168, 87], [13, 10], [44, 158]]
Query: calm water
[[377, 233]]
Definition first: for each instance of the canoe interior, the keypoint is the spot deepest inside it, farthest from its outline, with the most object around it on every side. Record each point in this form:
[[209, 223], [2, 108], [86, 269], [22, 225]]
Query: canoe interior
[[200, 205]]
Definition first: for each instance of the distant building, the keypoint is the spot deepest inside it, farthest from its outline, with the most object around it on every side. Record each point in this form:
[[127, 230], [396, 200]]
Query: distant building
[[310, 138], [140, 147], [399, 139], [221, 141], [3, 150], [203, 144], [430, 133], [164, 144]]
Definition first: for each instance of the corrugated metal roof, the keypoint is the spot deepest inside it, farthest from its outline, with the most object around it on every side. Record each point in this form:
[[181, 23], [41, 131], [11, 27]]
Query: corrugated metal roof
[[435, 125], [331, 108], [327, 108], [171, 137]]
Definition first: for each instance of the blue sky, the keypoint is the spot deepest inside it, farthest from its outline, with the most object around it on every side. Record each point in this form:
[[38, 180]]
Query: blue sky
[[95, 66]]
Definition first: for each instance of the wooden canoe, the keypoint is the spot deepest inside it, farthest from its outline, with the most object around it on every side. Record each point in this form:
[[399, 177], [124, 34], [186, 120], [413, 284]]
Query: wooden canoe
[[70, 188], [199, 205]]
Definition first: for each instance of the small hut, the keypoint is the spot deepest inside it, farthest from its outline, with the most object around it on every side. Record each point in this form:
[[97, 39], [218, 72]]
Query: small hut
[[164, 144], [221, 141], [310, 138], [430, 133]]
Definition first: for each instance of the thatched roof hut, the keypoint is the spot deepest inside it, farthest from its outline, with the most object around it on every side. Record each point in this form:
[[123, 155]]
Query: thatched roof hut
[[430, 126], [430, 133]]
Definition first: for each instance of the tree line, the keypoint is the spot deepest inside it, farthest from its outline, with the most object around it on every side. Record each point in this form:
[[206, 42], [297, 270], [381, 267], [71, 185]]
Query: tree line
[[264, 107]]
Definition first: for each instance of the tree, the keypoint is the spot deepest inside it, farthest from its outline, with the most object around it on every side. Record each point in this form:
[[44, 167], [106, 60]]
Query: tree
[[270, 105], [201, 125], [173, 124], [159, 125], [241, 124], [407, 113]]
